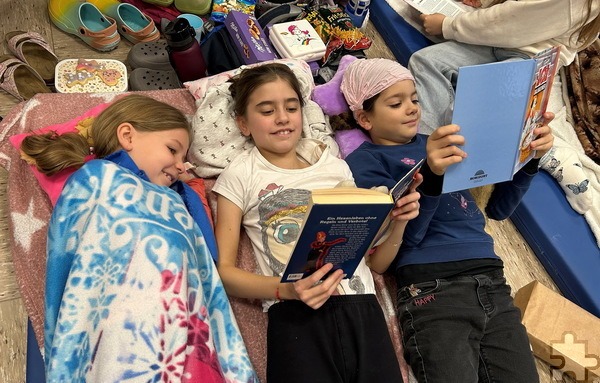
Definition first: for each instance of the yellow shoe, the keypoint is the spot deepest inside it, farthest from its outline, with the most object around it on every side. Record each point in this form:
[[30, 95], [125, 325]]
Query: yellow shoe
[[85, 21]]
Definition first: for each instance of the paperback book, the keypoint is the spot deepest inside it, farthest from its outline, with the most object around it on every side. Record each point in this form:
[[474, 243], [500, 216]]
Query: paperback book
[[445, 7], [497, 107], [341, 225]]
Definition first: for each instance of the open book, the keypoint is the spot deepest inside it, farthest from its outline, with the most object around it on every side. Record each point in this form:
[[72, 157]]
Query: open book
[[341, 225], [445, 7], [497, 107]]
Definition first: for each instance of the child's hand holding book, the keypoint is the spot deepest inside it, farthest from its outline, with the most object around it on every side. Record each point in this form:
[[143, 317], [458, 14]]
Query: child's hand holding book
[[311, 290], [543, 137], [443, 148]]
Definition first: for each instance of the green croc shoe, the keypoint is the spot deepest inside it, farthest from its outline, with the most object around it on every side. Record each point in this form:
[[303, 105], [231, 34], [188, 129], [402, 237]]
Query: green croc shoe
[[162, 3], [85, 20], [132, 23]]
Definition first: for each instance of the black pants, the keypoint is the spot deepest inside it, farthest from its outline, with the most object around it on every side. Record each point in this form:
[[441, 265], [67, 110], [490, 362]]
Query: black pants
[[465, 330], [345, 341]]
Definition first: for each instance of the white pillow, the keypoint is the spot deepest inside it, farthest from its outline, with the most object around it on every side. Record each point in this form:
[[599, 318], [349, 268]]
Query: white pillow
[[217, 139]]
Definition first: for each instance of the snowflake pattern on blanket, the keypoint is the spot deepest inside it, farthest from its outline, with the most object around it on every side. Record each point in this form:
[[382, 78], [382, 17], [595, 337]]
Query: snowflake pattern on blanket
[[132, 293]]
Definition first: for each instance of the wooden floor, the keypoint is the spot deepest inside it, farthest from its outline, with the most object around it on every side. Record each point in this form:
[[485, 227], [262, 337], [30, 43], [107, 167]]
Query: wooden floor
[[521, 264]]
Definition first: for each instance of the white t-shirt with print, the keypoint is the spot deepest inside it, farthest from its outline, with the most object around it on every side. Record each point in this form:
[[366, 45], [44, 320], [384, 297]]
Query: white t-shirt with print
[[273, 202]]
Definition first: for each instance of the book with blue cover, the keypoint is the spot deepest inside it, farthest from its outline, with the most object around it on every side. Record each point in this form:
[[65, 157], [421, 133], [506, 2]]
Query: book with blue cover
[[341, 225], [497, 107]]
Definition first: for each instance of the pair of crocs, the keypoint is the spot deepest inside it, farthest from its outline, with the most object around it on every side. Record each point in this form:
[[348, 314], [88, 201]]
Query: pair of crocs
[[197, 7], [99, 22], [132, 23], [152, 69]]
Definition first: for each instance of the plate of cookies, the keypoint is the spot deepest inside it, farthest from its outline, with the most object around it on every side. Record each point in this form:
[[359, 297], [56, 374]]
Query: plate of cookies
[[90, 76]]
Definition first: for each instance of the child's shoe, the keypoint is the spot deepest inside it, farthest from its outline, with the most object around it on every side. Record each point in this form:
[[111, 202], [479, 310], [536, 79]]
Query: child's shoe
[[19, 79], [85, 20], [196, 7], [152, 55], [162, 3], [132, 24], [33, 50]]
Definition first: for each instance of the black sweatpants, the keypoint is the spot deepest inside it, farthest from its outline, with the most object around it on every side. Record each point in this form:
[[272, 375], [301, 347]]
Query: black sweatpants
[[345, 341]]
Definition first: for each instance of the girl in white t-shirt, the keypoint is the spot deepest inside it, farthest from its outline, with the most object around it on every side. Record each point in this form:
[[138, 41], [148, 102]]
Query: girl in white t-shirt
[[329, 331]]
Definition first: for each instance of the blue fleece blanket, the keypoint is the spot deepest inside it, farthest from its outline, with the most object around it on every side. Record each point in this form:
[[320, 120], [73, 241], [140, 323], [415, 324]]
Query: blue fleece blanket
[[132, 293]]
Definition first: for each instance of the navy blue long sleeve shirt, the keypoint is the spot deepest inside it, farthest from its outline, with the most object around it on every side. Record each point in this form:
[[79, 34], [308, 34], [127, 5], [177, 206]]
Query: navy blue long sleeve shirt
[[450, 227]]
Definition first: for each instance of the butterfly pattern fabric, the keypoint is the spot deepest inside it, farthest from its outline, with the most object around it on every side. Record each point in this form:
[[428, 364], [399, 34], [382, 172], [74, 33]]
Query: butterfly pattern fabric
[[566, 167]]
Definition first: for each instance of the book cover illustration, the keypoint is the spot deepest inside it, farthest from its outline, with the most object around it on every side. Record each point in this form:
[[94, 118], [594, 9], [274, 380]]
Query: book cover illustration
[[336, 233], [341, 226], [297, 39], [401, 188], [398, 191], [497, 105], [545, 70]]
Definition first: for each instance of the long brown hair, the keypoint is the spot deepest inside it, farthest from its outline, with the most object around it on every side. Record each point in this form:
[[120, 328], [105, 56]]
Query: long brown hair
[[53, 153], [243, 85], [589, 30], [346, 120]]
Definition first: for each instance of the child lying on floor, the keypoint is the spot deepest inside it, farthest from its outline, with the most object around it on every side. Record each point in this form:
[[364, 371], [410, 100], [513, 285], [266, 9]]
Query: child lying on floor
[[132, 291]]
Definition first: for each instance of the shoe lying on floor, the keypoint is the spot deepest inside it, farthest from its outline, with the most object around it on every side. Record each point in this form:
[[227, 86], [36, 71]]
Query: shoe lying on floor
[[152, 55], [33, 50], [151, 67], [19, 79], [162, 3], [132, 23], [85, 21], [155, 12], [150, 79]]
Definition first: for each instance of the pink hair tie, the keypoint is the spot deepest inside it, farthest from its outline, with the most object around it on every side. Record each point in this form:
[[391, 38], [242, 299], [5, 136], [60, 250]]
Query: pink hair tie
[[89, 157]]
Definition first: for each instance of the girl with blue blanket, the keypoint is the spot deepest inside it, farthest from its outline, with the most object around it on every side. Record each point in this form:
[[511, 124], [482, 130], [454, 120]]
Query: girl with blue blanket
[[132, 291]]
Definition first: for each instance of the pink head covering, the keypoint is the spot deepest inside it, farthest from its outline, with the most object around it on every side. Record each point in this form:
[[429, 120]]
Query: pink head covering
[[365, 78]]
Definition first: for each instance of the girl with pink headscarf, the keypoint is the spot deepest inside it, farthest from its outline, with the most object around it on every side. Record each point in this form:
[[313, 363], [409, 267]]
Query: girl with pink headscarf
[[458, 321]]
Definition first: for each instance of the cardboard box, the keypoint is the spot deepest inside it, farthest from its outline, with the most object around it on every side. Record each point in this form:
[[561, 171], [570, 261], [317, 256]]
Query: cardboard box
[[249, 38], [561, 333], [297, 39]]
